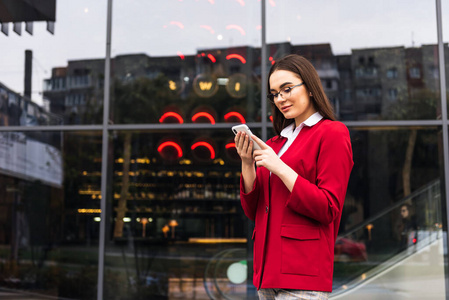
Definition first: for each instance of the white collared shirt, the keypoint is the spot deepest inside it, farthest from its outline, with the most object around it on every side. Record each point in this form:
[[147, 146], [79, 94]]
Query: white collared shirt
[[290, 132]]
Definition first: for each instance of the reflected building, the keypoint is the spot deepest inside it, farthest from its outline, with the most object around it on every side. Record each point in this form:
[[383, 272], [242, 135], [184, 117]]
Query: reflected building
[[379, 80], [363, 85], [75, 91]]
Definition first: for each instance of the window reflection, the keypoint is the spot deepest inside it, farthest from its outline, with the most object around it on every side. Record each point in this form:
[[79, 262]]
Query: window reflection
[[392, 169], [49, 187], [18, 110], [369, 83], [176, 202], [212, 82], [188, 177]]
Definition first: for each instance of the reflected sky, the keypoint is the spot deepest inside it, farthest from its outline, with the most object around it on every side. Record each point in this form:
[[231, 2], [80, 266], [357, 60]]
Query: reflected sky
[[183, 26]]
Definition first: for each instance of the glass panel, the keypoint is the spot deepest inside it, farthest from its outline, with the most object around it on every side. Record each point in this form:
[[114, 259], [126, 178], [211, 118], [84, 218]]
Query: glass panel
[[445, 18], [178, 226], [17, 110], [377, 60], [392, 213], [191, 57], [49, 187], [65, 69]]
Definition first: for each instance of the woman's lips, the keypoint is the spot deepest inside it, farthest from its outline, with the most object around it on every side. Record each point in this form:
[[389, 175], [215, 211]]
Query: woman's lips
[[285, 108]]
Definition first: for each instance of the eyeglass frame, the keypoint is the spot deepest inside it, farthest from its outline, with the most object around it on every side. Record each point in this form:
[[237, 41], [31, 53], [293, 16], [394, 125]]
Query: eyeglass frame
[[271, 96]]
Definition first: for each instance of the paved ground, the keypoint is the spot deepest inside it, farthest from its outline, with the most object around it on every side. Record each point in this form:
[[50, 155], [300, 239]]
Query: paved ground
[[16, 296]]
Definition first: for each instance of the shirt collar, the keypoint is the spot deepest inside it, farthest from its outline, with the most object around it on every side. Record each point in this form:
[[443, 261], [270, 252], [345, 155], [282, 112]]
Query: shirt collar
[[313, 119], [288, 131]]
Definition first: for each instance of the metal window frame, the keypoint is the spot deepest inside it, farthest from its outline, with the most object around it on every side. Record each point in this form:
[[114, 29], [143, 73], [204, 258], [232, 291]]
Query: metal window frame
[[444, 124]]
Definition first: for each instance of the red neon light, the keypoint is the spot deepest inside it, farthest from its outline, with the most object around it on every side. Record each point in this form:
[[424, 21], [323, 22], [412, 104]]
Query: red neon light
[[177, 23], [171, 114], [271, 119], [235, 114], [207, 145], [180, 55], [230, 145], [170, 144], [238, 56], [212, 58], [272, 3], [207, 27], [242, 3], [203, 114], [237, 27]]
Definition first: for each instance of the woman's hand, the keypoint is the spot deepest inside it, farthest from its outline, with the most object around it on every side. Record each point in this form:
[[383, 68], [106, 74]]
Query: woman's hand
[[244, 148], [266, 157]]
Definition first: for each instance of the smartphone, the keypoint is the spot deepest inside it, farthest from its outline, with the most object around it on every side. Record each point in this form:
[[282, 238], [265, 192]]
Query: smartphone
[[245, 129]]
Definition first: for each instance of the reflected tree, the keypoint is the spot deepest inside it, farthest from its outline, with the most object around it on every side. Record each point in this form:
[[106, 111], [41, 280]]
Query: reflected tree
[[137, 101], [420, 105]]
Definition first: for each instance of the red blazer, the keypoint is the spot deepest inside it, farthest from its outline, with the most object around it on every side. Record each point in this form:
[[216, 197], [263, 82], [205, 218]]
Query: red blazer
[[295, 232]]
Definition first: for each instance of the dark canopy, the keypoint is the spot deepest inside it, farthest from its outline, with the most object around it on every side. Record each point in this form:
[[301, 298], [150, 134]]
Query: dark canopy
[[27, 10]]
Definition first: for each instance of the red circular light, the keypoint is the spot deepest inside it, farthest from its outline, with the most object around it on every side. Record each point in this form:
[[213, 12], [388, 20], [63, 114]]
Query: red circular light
[[170, 150], [207, 145], [234, 115], [204, 115], [171, 115], [237, 56]]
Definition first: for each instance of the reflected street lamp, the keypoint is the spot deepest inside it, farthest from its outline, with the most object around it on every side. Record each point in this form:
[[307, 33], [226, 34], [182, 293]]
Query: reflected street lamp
[[165, 230], [144, 222], [173, 224]]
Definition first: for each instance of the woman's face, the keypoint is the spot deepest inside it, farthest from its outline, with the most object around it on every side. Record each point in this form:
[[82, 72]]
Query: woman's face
[[295, 103], [404, 212]]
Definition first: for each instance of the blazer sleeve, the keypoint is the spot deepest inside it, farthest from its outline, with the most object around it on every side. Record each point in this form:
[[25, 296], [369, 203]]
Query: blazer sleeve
[[323, 201], [249, 200]]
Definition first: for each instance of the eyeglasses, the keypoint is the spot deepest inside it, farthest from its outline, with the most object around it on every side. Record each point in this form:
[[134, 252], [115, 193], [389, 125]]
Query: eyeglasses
[[284, 93]]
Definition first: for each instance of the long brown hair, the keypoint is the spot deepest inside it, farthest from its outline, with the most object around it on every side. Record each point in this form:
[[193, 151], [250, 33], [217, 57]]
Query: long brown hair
[[304, 69]]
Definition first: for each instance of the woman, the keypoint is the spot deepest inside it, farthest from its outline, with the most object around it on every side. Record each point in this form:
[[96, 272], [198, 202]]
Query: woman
[[296, 192], [407, 227]]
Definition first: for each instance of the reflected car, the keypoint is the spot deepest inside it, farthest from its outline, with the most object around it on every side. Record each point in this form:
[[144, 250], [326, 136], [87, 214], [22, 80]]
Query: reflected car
[[348, 250]]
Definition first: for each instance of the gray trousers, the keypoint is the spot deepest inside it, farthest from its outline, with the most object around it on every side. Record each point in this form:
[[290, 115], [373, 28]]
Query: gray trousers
[[283, 294]]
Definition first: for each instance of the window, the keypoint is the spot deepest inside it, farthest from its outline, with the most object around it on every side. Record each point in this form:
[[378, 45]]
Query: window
[[393, 94], [392, 73], [366, 72], [368, 93], [434, 72], [415, 73]]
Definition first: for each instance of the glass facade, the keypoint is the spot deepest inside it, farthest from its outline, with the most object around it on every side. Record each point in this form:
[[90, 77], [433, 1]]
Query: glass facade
[[146, 205]]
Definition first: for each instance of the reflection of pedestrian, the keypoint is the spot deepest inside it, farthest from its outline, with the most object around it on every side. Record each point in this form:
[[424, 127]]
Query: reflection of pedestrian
[[296, 193], [407, 227], [3, 108]]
